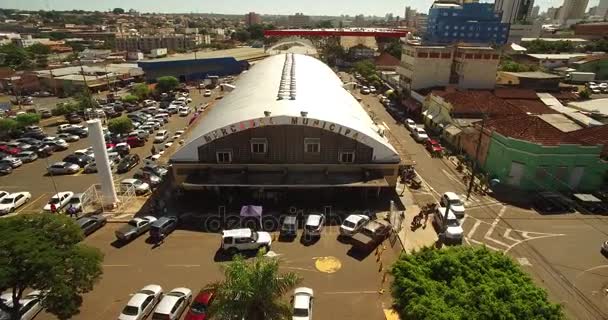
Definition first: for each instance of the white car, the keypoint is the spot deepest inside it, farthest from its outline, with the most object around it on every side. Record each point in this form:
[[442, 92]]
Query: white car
[[173, 304], [420, 135], [142, 303], [85, 152], [161, 136], [207, 93], [30, 305], [453, 231], [314, 225], [352, 224], [302, 303], [410, 124], [184, 111], [139, 186], [456, 205], [4, 194], [365, 90], [372, 89], [68, 137], [11, 161], [178, 134], [244, 239], [13, 201], [61, 199]]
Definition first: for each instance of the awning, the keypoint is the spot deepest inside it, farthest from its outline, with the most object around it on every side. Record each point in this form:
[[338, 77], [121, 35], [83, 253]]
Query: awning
[[251, 211], [452, 130]]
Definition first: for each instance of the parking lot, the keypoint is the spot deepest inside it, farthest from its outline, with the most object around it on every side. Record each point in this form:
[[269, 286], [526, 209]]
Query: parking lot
[[561, 252], [32, 177]]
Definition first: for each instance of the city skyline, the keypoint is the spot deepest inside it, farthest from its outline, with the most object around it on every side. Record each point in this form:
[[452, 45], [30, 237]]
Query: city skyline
[[312, 7]]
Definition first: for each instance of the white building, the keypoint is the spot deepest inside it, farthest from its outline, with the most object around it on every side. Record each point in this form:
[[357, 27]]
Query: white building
[[602, 9], [517, 32], [514, 10], [572, 10]]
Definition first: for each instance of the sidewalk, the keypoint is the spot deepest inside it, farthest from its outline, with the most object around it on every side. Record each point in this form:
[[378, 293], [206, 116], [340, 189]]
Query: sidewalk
[[421, 237]]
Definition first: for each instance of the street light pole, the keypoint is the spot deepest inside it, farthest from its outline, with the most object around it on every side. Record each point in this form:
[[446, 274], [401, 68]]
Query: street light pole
[[52, 176], [474, 169]]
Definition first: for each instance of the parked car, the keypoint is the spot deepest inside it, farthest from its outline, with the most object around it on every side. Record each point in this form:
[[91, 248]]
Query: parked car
[[148, 177], [141, 304], [183, 111], [173, 304], [81, 160], [77, 202], [456, 205], [236, 240], [73, 118], [371, 234], [420, 135], [134, 228], [6, 149], [365, 90], [163, 226], [30, 305], [63, 168], [552, 202], [289, 227], [34, 135], [200, 305], [453, 231], [138, 186], [302, 303], [60, 200], [145, 127], [128, 163], [92, 167], [207, 93], [433, 146], [161, 136], [45, 113], [27, 156], [13, 201], [314, 225], [5, 168], [44, 151], [135, 142], [12, 161], [68, 137], [155, 169], [57, 145], [91, 223], [352, 224], [122, 148], [410, 124], [589, 204]]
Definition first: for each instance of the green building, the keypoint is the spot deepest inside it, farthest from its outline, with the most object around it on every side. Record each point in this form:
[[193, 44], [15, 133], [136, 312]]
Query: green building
[[597, 64], [528, 153]]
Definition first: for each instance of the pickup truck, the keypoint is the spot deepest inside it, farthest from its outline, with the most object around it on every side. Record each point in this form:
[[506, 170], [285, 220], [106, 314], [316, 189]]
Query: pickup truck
[[371, 234]]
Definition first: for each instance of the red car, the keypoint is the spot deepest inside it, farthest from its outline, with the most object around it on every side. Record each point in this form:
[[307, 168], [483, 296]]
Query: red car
[[433, 146], [9, 150], [135, 142], [198, 309]]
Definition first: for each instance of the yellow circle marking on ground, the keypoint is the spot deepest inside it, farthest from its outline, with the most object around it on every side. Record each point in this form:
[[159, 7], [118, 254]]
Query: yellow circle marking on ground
[[328, 264]]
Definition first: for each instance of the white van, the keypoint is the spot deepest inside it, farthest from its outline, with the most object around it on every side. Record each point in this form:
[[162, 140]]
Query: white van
[[184, 111], [161, 136]]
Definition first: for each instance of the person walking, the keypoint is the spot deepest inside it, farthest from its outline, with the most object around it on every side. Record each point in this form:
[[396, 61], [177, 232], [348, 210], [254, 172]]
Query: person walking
[[53, 208]]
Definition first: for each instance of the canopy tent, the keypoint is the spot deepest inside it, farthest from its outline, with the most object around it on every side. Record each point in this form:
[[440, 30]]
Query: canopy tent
[[252, 211]]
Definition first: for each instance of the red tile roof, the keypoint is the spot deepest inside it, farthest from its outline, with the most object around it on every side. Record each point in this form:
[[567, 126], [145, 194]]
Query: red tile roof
[[531, 106], [528, 128], [386, 59], [514, 93], [477, 102], [590, 136]]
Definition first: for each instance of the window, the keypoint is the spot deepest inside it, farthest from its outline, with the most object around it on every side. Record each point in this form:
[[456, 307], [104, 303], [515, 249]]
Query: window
[[347, 157], [423, 55], [312, 145], [259, 145], [224, 157], [434, 55], [446, 55], [446, 34]]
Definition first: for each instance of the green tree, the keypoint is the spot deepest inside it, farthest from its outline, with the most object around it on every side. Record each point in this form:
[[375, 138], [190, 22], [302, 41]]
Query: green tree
[[584, 94], [120, 125], [166, 83], [253, 290], [84, 100], [7, 127], [129, 98], [367, 69], [141, 91], [14, 57], [39, 48], [325, 24], [256, 31], [241, 35], [43, 252], [466, 283], [64, 108], [394, 48], [27, 119], [118, 11]]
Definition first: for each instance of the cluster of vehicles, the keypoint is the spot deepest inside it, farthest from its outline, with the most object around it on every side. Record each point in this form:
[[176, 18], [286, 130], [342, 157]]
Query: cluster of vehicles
[[597, 88], [550, 202]]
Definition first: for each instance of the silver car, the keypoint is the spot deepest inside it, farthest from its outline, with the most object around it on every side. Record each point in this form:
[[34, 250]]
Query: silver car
[[63, 168], [27, 156]]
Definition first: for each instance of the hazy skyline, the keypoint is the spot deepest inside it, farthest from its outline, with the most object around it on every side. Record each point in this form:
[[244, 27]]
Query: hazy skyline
[[309, 7]]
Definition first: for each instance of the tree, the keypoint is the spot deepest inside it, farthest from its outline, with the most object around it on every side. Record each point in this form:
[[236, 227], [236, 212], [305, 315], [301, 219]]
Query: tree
[[27, 119], [64, 108], [120, 125], [7, 127], [256, 31], [241, 35], [584, 94], [43, 252], [252, 290], [394, 48], [14, 57], [325, 24], [166, 83], [466, 283], [39, 48], [366, 68], [84, 100], [141, 91], [129, 98], [118, 11]]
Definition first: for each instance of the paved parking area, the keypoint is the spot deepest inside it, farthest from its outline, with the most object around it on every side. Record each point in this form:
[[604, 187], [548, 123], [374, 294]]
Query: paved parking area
[[32, 177], [561, 252], [191, 259]]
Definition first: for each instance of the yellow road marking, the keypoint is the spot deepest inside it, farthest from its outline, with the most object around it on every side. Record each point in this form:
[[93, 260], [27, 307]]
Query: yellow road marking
[[30, 203]]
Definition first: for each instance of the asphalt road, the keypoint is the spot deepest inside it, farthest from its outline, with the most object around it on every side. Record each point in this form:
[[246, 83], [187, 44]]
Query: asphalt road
[[561, 252], [32, 177], [191, 259]]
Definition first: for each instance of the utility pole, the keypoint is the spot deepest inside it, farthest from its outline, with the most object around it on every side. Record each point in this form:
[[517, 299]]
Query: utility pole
[[474, 169]]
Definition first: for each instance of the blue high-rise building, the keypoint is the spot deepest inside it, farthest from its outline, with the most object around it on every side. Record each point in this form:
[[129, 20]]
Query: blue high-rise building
[[469, 22]]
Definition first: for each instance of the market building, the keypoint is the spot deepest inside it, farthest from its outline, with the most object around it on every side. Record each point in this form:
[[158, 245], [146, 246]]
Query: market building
[[289, 125]]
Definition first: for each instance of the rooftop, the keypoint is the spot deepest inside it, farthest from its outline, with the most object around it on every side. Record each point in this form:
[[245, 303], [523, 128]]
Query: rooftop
[[534, 75], [244, 53], [477, 102], [555, 39], [593, 106], [556, 56]]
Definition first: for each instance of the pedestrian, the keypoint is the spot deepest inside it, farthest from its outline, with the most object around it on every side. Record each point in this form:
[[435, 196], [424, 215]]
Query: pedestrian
[[53, 208], [72, 212], [153, 150]]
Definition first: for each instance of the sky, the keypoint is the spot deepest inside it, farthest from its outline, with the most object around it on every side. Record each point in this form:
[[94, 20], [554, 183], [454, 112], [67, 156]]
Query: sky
[[309, 7]]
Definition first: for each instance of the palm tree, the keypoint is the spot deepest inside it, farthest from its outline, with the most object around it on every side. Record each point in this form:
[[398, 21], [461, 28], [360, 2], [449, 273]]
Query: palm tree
[[252, 290]]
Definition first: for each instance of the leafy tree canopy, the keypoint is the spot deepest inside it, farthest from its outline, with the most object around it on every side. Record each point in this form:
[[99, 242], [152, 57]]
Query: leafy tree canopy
[[120, 125], [466, 283], [253, 290], [43, 252], [166, 83], [27, 119], [118, 11], [129, 98], [541, 46], [7, 126], [15, 57], [141, 91], [39, 48]]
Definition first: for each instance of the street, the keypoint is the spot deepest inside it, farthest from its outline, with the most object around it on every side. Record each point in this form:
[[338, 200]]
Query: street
[[561, 252]]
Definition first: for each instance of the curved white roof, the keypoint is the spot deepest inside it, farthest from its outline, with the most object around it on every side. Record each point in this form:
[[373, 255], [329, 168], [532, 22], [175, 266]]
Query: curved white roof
[[296, 90]]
